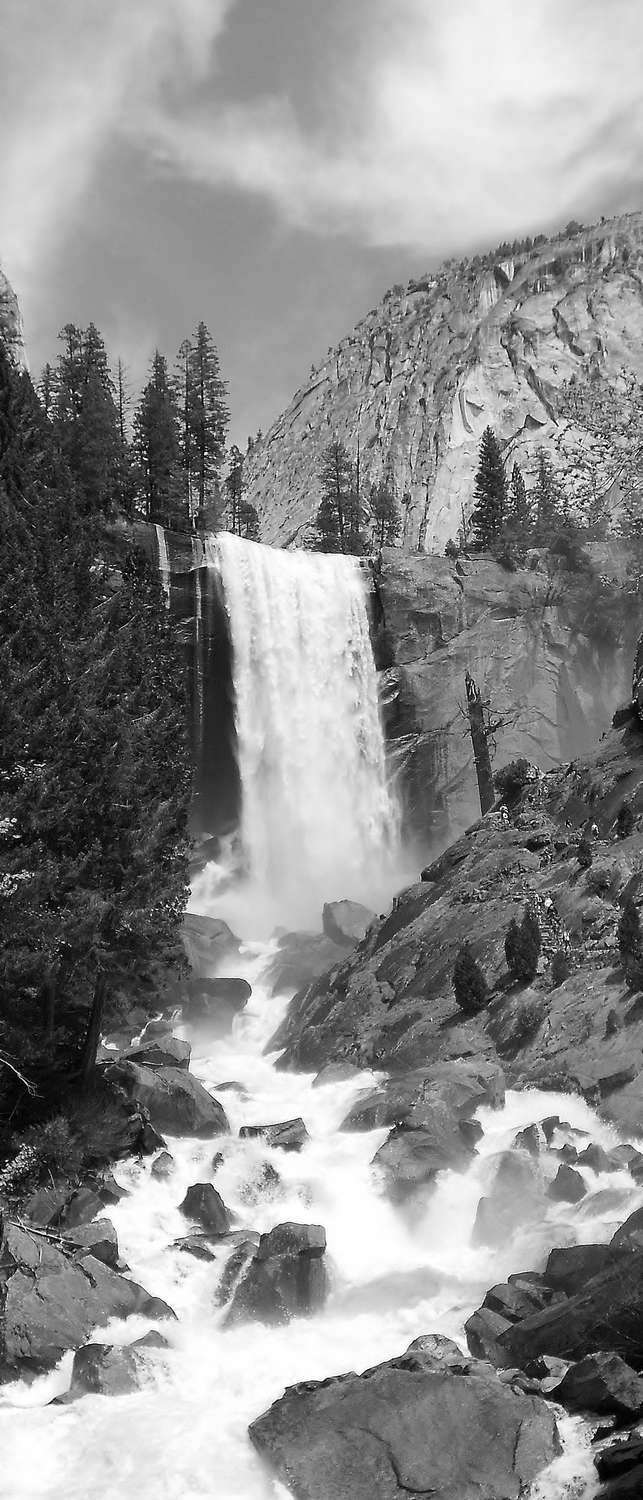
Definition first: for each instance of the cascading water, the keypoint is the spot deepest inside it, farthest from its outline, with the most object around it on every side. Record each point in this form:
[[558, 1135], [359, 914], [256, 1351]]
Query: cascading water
[[319, 821], [164, 563]]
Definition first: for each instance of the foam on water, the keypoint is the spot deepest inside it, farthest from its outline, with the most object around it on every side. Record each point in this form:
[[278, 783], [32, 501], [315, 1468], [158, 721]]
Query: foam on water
[[393, 1276]]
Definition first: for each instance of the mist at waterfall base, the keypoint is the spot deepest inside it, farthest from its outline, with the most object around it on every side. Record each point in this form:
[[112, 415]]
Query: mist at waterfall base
[[319, 816]]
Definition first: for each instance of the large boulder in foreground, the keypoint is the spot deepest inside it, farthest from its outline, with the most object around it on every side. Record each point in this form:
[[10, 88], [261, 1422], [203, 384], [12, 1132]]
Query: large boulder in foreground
[[51, 1302], [346, 922], [174, 1099], [206, 1207], [207, 941], [414, 1426], [286, 1277], [212, 1004]]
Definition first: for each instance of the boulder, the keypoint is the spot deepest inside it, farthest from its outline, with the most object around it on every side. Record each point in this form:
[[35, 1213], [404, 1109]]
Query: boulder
[[300, 958], [197, 1245], [205, 1205], [595, 1157], [601, 1383], [411, 1158], [606, 1313], [572, 1266], [163, 1165], [290, 1135], [620, 1458], [237, 1263], [418, 1425], [175, 1100], [567, 1187], [105, 1370], [99, 1238], [528, 1140], [285, 1278], [207, 941], [212, 1004], [630, 1234], [335, 1072], [161, 1052], [52, 1300], [346, 922], [514, 1193], [483, 1329]]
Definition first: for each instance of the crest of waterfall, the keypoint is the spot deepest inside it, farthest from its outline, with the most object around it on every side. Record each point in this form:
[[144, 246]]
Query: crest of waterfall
[[319, 818]]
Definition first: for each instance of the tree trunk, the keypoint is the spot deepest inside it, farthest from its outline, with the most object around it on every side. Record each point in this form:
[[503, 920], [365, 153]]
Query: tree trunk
[[481, 754], [92, 1037]]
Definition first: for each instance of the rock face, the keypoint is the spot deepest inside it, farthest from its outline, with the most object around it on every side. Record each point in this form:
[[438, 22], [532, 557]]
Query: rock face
[[428, 1423], [489, 341], [551, 653], [51, 1301], [11, 331]]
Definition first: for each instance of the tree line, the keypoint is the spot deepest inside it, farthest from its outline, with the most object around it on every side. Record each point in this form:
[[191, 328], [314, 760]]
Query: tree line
[[508, 518], [352, 517], [160, 458], [94, 763]]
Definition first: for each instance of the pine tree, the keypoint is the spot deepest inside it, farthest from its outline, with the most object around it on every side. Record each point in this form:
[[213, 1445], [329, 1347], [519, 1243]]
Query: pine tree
[[156, 435], [522, 948], [547, 500], [206, 421], [490, 492], [249, 522], [469, 983], [385, 514], [338, 518], [518, 507], [86, 419], [234, 488]]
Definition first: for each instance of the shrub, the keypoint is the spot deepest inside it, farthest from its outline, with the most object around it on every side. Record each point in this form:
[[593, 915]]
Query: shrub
[[561, 968], [510, 779], [469, 983], [451, 550], [584, 853], [522, 948], [54, 1144], [624, 820]]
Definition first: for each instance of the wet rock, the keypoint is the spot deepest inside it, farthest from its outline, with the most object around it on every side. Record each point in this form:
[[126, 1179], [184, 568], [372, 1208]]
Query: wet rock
[[236, 1264], [163, 1166], [207, 941], [519, 1297], [44, 1207], [346, 922], [437, 1351], [105, 1370], [411, 1158], [205, 1205], [569, 1268], [301, 957], [528, 1140], [606, 1313], [289, 1135], [161, 1052], [483, 1329], [176, 1101], [82, 1206], [212, 1004], [515, 1194], [197, 1245], [151, 1340], [337, 1072], [620, 1458], [567, 1187], [601, 1383], [595, 1157], [459, 1087], [630, 1234], [285, 1278], [629, 1158], [99, 1238], [52, 1300], [410, 1426], [264, 1184], [628, 1486]]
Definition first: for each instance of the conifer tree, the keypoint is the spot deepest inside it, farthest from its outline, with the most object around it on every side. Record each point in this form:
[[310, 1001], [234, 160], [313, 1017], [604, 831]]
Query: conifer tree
[[234, 488], [518, 507], [469, 984], [249, 522], [205, 421], [85, 418], [156, 435], [490, 492], [338, 518], [547, 500], [522, 948], [385, 514]]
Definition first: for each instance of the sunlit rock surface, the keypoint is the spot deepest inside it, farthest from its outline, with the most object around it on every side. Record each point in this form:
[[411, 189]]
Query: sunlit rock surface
[[488, 341]]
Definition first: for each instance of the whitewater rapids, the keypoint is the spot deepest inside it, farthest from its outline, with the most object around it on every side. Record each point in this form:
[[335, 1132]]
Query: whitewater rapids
[[184, 1435]]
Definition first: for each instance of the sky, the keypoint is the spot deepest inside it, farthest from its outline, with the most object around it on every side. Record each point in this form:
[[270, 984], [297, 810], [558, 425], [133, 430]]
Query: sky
[[272, 166]]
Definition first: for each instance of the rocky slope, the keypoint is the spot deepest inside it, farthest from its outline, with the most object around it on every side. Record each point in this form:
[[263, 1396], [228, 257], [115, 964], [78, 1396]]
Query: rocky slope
[[11, 330], [391, 1005], [491, 340]]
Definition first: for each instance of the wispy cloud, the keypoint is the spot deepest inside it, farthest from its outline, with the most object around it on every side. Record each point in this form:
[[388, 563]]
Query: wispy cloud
[[445, 122], [72, 74]]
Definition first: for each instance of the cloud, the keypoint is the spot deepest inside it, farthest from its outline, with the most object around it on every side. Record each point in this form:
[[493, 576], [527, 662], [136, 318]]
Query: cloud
[[73, 74], [446, 122]]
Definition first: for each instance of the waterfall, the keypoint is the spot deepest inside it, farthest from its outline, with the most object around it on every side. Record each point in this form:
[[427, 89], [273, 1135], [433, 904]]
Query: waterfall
[[319, 821], [164, 563]]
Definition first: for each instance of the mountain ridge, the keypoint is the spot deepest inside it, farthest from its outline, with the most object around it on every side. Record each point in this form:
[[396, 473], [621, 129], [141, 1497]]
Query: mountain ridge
[[490, 340]]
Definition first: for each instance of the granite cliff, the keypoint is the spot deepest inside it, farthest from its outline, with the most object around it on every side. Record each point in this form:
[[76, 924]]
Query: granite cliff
[[11, 330], [493, 340]]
